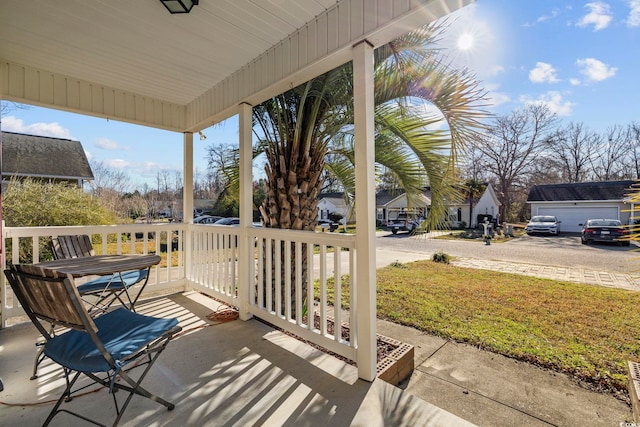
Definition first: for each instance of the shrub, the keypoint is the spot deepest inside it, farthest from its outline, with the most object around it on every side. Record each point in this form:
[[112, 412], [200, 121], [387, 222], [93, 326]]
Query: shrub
[[441, 257], [33, 203], [397, 264]]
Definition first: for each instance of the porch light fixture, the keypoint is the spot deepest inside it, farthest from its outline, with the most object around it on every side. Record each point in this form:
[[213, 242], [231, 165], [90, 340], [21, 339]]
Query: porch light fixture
[[179, 6]]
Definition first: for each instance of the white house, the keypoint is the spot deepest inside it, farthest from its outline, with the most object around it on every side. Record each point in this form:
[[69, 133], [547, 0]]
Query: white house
[[389, 202], [331, 203]]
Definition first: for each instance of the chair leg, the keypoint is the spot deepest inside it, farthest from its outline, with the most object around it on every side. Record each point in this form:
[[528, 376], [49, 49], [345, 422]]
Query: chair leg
[[39, 358], [66, 396]]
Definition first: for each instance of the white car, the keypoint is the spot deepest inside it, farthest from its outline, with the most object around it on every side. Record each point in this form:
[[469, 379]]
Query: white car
[[546, 224]]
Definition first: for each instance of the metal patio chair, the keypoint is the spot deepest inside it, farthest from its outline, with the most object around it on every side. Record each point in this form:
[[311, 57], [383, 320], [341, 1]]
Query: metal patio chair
[[106, 289], [105, 349]]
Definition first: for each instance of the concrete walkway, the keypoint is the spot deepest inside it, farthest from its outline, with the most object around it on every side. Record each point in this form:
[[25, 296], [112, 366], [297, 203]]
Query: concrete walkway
[[488, 389]]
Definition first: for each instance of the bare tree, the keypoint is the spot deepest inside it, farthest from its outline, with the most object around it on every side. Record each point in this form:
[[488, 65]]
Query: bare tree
[[571, 151], [510, 145], [105, 177], [608, 164], [633, 150], [8, 106]]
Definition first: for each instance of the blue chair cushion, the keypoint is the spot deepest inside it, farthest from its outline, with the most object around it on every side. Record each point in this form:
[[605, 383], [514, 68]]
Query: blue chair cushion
[[122, 332], [128, 278]]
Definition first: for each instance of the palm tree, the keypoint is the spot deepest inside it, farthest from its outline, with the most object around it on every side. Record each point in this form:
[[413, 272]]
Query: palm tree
[[473, 188], [409, 74], [303, 128]]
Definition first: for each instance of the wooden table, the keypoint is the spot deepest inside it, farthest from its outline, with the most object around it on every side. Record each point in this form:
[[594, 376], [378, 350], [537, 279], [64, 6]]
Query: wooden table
[[106, 265], [101, 265]]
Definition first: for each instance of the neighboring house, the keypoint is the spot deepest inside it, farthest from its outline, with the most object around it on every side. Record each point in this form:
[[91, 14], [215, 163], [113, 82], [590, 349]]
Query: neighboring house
[[41, 157], [331, 203], [390, 202], [487, 206], [574, 203]]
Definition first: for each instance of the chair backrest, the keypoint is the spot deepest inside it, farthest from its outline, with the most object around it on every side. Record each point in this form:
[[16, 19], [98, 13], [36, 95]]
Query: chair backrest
[[72, 246], [48, 296]]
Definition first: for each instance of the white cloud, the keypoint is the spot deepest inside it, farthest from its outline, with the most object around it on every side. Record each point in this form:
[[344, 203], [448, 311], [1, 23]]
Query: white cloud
[[108, 144], [595, 70], [574, 81], [88, 154], [117, 163], [494, 70], [543, 73], [633, 20], [555, 12], [498, 98], [13, 124], [494, 96], [599, 16], [553, 100]]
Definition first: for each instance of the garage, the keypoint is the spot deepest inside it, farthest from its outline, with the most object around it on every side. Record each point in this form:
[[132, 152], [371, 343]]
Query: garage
[[574, 203], [572, 217]]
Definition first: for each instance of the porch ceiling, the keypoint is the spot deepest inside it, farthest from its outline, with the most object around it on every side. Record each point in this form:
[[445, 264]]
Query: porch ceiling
[[134, 61]]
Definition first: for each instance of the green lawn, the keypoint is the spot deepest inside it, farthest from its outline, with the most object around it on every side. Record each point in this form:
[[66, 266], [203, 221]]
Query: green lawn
[[588, 332]]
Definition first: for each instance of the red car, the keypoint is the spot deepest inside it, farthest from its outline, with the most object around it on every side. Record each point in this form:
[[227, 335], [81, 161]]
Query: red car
[[605, 230]]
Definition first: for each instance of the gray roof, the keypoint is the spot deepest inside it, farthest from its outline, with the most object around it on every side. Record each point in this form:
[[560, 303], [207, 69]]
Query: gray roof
[[606, 190], [43, 157], [385, 195]]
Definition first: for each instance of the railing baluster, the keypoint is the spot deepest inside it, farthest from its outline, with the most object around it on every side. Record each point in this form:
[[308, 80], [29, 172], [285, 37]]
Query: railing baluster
[[299, 296], [323, 289], [278, 279], [269, 268], [287, 279], [310, 296], [337, 293]]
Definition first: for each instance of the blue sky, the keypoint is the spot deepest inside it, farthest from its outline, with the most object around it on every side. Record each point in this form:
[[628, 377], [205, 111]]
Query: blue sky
[[580, 58]]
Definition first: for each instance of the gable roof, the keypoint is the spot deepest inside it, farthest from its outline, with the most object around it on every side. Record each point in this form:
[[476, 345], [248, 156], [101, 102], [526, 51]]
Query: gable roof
[[385, 196], [605, 190], [43, 157]]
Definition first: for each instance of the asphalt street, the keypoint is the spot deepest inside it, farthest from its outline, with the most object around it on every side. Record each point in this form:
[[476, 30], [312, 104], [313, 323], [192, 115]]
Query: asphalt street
[[558, 251]]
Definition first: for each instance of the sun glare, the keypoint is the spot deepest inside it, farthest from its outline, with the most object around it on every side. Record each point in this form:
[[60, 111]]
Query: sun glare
[[465, 41]]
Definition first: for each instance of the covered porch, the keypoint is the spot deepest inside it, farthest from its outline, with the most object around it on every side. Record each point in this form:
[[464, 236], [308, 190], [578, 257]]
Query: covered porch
[[135, 62], [232, 373]]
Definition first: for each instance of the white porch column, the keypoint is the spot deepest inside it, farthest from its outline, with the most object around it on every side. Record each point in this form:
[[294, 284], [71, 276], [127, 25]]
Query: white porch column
[[187, 196], [365, 210], [245, 256]]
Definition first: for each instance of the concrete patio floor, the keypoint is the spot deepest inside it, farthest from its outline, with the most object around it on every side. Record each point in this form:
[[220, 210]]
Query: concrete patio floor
[[234, 373]]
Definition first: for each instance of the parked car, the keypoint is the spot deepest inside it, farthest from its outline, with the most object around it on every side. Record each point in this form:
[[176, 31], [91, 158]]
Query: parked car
[[327, 223], [604, 230], [545, 224], [404, 222], [228, 221], [206, 219]]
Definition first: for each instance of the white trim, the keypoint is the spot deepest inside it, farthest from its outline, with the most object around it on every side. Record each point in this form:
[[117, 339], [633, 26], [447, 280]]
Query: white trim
[[365, 280]]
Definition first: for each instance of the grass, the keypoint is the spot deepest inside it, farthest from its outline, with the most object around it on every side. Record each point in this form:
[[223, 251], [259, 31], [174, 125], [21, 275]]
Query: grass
[[139, 249], [588, 332]]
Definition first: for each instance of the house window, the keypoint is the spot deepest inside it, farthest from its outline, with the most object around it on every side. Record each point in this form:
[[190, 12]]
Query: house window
[[453, 215], [459, 214]]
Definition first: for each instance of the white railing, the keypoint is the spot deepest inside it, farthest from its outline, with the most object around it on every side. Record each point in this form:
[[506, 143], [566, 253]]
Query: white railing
[[299, 286], [288, 261], [295, 279], [30, 245], [214, 261]]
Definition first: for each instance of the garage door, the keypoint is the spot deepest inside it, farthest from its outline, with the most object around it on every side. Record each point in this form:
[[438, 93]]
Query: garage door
[[572, 217]]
